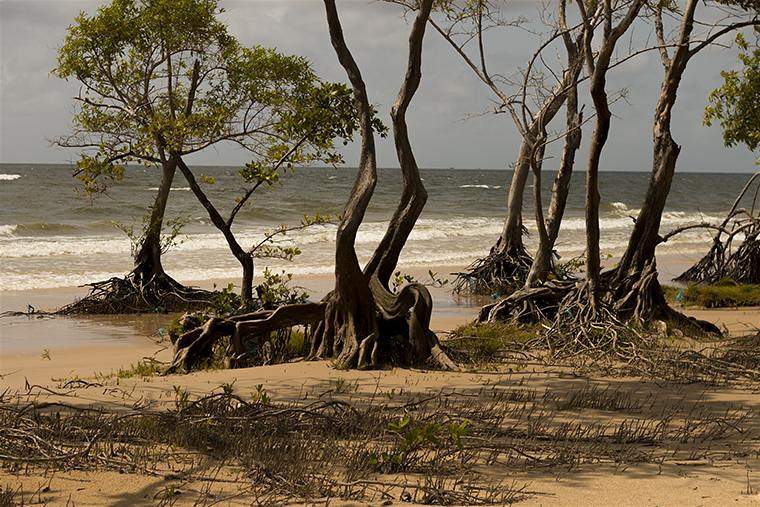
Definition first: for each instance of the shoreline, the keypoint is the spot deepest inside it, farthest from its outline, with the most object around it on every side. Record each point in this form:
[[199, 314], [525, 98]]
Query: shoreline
[[88, 345]]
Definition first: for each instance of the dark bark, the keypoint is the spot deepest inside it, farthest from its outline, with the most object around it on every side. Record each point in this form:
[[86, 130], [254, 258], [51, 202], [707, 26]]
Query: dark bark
[[723, 260], [599, 139], [645, 235], [196, 345], [635, 297], [413, 196], [225, 227], [148, 266], [366, 325], [510, 240], [542, 261], [635, 288], [350, 313]]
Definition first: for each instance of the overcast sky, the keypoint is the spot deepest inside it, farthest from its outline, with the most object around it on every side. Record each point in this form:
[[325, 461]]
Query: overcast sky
[[36, 106]]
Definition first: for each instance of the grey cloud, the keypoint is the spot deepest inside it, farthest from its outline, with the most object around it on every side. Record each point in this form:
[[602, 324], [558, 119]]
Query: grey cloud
[[36, 106]]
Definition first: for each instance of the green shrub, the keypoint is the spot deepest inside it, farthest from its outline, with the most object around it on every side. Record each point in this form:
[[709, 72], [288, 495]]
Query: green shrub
[[722, 295], [482, 341], [145, 368]]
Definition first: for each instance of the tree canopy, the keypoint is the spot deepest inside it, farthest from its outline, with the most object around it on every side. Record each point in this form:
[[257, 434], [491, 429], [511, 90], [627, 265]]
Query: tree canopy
[[163, 78], [735, 105]]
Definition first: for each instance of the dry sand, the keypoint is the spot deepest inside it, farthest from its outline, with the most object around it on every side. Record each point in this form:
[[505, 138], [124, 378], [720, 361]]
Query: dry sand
[[684, 483], [48, 352]]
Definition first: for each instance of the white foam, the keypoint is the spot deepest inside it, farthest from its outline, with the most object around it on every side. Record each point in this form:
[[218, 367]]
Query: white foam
[[480, 186], [9, 177], [426, 230], [205, 255], [184, 189], [7, 230]]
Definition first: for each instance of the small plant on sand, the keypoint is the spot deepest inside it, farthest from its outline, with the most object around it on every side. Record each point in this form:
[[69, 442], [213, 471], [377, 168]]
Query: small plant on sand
[[413, 439], [482, 342], [228, 388], [342, 386], [45, 354], [144, 368], [181, 397], [260, 395]]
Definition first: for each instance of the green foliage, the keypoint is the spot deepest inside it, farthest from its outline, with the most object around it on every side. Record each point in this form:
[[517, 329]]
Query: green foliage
[[171, 230], [225, 302], [504, 331], [275, 290], [269, 249], [342, 386], [722, 295], [142, 369], [735, 105], [260, 395], [162, 78], [482, 342], [413, 438], [400, 279], [181, 397], [567, 269]]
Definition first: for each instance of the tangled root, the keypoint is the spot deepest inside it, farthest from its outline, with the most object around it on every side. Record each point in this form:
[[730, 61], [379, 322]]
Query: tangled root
[[124, 295], [247, 333], [399, 333], [741, 265], [499, 272], [399, 323], [528, 305]]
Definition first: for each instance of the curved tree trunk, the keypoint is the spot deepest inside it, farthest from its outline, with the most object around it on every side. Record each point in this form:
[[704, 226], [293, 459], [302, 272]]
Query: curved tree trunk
[[599, 139], [639, 257], [413, 196], [243, 257], [147, 267], [365, 325], [350, 313], [510, 241]]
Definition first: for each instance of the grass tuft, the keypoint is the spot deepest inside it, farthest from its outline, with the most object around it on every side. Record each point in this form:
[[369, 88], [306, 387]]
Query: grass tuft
[[485, 342]]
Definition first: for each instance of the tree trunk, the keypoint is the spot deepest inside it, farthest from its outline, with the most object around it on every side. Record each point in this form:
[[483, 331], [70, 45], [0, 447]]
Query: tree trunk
[[366, 325], [413, 196], [640, 252], [349, 313], [243, 257], [510, 241], [148, 266], [542, 262], [599, 139]]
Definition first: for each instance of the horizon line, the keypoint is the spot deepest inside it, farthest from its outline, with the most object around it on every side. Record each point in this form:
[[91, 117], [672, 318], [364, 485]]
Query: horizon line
[[439, 168]]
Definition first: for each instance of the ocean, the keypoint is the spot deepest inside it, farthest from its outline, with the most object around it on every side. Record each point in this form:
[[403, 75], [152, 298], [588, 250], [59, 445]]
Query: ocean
[[50, 237]]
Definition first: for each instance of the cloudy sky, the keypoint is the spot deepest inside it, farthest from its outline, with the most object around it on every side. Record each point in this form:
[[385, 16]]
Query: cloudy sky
[[445, 122]]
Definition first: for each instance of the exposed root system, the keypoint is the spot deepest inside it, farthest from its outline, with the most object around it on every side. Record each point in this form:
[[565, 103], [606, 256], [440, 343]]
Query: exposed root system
[[400, 334], [725, 261], [247, 334], [400, 322], [124, 295], [444, 448], [498, 273]]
